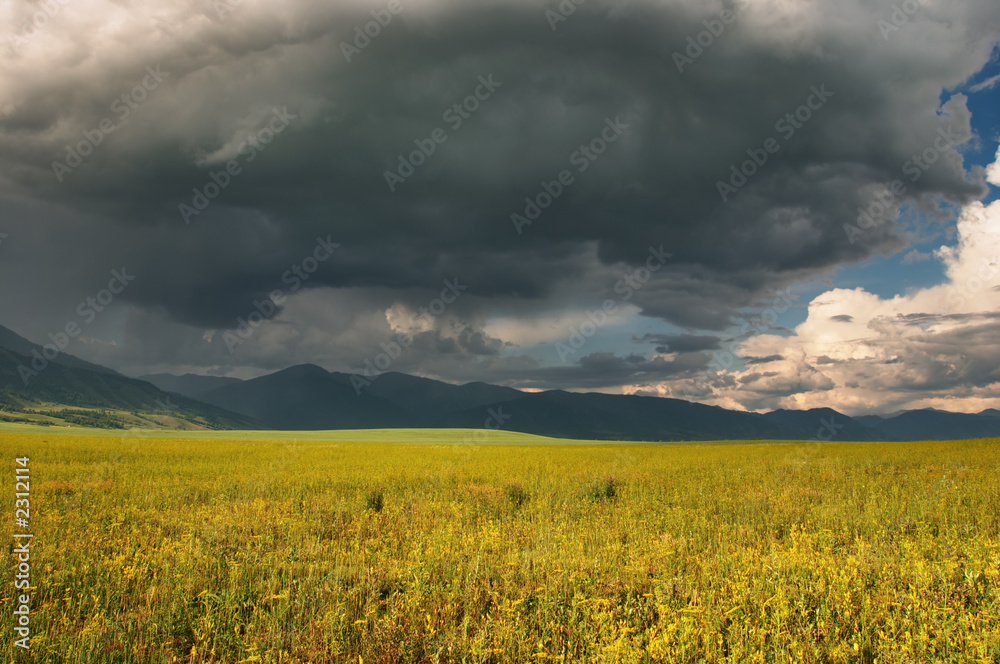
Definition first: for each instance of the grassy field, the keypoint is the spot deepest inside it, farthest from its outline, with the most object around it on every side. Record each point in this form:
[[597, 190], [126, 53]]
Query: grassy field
[[407, 436], [334, 548]]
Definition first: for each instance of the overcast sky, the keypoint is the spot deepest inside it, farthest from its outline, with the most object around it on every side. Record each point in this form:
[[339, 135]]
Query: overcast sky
[[638, 196]]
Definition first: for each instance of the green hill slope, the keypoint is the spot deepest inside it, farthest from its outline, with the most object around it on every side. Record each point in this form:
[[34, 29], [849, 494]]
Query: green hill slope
[[64, 395]]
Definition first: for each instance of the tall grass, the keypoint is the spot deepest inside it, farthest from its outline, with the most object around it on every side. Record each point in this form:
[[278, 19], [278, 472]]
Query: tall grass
[[211, 550]]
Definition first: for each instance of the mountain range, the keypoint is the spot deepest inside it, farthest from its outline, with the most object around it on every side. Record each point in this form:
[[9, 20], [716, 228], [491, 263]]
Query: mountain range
[[308, 397]]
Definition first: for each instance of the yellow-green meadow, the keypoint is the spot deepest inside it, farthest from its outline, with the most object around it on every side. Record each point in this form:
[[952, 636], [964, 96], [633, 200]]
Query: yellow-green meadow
[[335, 547]]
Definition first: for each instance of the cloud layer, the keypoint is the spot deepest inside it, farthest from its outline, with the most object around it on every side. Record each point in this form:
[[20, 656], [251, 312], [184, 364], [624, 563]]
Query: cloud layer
[[937, 347], [819, 102]]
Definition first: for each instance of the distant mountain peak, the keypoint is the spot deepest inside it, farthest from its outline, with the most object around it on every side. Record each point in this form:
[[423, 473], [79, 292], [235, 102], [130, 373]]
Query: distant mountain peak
[[302, 370]]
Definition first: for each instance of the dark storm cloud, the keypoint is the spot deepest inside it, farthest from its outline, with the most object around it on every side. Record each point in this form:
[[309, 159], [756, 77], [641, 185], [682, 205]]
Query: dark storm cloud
[[598, 370], [225, 78], [681, 343], [762, 360]]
